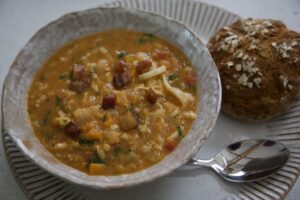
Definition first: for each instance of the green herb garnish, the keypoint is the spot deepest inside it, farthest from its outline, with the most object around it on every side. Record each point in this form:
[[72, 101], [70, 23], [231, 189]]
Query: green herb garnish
[[121, 54], [145, 38], [177, 84], [117, 149], [59, 103], [46, 119], [193, 89], [172, 77], [95, 158], [131, 108], [65, 77], [179, 130], [84, 141], [42, 77], [49, 136], [104, 117]]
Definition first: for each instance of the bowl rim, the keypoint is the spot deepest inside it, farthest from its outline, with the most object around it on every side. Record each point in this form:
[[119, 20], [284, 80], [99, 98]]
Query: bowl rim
[[132, 182]]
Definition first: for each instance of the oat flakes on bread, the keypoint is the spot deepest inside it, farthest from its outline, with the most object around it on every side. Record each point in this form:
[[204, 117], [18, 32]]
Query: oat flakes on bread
[[259, 65]]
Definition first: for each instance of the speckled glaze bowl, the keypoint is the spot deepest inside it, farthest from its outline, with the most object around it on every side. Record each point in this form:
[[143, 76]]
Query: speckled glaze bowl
[[14, 110]]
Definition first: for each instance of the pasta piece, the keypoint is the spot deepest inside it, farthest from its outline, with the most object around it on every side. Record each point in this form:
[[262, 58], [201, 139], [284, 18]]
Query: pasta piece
[[60, 146], [158, 113], [152, 73], [100, 153], [142, 56], [183, 97], [144, 128], [190, 115], [157, 86], [175, 112], [62, 120], [141, 87], [174, 136]]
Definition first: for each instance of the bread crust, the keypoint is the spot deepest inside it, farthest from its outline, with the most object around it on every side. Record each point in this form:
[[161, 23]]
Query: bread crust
[[259, 65]]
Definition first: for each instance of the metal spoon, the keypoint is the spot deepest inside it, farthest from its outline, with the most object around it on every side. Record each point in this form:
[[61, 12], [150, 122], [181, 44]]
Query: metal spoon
[[247, 160]]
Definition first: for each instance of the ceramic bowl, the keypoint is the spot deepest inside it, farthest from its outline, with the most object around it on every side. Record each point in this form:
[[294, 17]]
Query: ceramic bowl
[[53, 36]]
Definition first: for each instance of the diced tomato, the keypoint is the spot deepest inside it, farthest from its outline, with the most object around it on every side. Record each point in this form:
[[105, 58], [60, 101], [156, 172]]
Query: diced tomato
[[143, 66], [160, 54], [170, 145], [190, 79]]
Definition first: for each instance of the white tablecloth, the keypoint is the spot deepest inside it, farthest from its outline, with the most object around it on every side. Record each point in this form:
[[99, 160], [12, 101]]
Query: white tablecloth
[[20, 19]]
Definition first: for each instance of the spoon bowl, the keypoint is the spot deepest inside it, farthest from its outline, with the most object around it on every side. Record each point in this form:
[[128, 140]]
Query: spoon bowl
[[247, 160]]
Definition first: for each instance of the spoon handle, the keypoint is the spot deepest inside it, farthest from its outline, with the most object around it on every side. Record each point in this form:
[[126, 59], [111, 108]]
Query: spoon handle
[[198, 162]]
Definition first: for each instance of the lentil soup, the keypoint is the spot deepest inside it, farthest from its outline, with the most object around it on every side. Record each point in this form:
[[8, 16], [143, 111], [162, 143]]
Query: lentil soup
[[113, 102]]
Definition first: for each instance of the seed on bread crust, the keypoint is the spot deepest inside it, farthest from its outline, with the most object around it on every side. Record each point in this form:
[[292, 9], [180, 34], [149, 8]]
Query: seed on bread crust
[[259, 65]]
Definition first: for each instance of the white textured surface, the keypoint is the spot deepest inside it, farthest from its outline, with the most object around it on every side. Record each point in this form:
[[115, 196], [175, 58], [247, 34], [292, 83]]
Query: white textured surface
[[19, 20]]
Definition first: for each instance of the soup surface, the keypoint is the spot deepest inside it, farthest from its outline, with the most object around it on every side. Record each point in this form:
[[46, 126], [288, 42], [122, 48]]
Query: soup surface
[[113, 102]]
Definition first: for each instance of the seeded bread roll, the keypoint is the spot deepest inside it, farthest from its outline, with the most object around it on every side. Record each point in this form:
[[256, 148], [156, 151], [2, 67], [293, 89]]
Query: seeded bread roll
[[259, 65]]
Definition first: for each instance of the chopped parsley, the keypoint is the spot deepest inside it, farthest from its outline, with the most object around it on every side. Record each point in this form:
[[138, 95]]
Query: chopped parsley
[[48, 136], [145, 38], [95, 158], [121, 54], [117, 149], [172, 77], [42, 77], [84, 141], [59, 103], [45, 119], [179, 130], [65, 77], [131, 107], [105, 117], [194, 89]]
